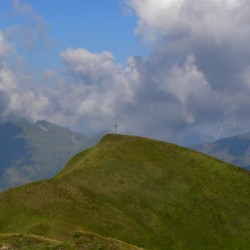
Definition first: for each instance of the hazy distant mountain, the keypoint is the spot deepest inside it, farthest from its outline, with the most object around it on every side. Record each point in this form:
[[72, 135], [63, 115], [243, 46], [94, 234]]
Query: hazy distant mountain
[[36, 151], [131, 193], [234, 149]]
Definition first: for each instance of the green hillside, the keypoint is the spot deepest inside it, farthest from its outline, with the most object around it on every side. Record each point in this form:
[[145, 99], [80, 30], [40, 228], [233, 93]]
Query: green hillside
[[136, 191], [30, 152]]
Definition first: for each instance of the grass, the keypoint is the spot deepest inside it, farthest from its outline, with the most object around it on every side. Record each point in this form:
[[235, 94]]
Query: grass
[[80, 241], [150, 194], [30, 242]]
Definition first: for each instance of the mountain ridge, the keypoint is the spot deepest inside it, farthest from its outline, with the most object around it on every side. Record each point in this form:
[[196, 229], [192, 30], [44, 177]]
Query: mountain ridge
[[233, 149], [148, 193], [33, 151]]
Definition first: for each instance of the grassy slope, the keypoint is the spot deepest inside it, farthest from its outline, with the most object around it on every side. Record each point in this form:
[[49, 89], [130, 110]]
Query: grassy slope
[[80, 241], [147, 193]]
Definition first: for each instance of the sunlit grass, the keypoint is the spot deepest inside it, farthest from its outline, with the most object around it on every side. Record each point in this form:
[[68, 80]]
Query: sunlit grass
[[147, 193]]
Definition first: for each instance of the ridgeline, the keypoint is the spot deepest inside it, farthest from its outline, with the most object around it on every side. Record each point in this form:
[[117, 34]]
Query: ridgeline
[[133, 193]]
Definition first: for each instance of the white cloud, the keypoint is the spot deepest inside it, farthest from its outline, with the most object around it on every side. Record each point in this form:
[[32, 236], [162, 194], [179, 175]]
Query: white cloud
[[17, 95], [216, 20], [94, 90], [184, 81], [165, 95], [88, 66], [211, 85], [195, 81]]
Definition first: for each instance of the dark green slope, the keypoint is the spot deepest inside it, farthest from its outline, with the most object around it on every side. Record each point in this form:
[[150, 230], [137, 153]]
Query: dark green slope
[[143, 192], [30, 152], [235, 149]]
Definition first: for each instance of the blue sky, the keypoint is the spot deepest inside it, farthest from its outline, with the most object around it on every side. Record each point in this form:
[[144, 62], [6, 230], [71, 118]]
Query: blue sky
[[176, 70], [93, 24]]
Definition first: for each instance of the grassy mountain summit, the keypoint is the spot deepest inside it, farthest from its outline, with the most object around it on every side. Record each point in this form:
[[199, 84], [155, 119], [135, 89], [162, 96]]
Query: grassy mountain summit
[[30, 152], [139, 192]]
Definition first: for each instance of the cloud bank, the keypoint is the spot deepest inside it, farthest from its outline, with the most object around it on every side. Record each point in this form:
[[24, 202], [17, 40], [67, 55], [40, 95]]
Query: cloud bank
[[201, 57], [193, 86], [18, 95]]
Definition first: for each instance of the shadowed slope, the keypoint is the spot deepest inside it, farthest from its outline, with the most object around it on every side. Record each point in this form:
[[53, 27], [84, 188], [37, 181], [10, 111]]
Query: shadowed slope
[[31, 152], [148, 193], [235, 150]]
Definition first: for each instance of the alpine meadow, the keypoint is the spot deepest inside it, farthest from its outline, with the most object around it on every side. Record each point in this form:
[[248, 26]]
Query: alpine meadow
[[133, 193]]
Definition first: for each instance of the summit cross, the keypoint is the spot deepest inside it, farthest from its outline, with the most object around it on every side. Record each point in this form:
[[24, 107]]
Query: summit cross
[[115, 126]]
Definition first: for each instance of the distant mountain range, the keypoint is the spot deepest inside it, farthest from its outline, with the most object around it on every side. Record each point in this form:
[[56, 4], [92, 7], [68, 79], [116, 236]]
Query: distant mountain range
[[235, 150], [131, 193], [30, 152]]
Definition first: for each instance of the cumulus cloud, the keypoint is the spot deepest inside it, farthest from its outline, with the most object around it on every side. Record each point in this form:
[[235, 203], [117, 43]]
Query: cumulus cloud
[[5, 82], [94, 89], [142, 99], [201, 59], [194, 84], [217, 21], [17, 94]]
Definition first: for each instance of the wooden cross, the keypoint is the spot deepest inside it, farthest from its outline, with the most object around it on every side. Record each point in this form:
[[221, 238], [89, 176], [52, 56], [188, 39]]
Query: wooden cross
[[115, 126]]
